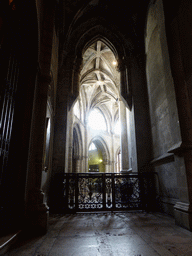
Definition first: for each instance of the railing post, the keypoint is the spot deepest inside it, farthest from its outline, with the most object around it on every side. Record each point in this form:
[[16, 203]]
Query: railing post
[[76, 191], [64, 190], [67, 191], [104, 191], [142, 190], [113, 191]]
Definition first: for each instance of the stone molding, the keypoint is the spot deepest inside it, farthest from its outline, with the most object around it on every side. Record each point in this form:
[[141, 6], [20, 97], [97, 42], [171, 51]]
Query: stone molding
[[184, 207], [168, 200], [163, 159], [180, 148]]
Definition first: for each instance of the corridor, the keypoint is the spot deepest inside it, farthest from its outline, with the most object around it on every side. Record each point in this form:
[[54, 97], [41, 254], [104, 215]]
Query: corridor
[[108, 234]]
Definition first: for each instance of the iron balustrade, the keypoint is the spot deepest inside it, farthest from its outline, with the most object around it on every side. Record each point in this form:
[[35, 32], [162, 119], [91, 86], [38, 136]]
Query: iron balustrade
[[104, 191]]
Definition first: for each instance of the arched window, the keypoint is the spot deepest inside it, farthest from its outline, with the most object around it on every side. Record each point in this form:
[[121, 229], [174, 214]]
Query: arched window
[[96, 120], [92, 147]]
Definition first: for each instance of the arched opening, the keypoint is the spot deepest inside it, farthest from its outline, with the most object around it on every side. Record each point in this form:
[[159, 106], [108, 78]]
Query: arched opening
[[99, 109], [98, 155], [77, 149], [95, 159]]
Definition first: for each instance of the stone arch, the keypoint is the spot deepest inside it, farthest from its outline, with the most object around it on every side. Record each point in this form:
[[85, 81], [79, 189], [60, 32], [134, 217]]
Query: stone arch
[[93, 30], [100, 142], [75, 144], [77, 131], [77, 149], [78, 39], [81, 38]]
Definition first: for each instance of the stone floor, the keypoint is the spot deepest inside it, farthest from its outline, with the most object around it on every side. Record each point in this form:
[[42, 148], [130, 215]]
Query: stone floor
[[108, 234]]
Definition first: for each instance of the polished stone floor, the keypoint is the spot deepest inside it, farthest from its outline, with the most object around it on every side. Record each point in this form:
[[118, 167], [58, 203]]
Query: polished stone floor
[[108, 234]]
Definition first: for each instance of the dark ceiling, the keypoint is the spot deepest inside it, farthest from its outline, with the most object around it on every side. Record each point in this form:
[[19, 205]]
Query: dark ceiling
[[127, 16]]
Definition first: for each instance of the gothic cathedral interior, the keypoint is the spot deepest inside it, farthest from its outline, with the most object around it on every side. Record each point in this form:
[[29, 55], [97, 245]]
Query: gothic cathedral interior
[[100, 88]]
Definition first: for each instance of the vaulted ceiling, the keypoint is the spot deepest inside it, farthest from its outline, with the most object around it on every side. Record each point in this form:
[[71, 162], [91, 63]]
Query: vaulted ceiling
[[120, 11], [100, 80], [99, 77], [128, 17]]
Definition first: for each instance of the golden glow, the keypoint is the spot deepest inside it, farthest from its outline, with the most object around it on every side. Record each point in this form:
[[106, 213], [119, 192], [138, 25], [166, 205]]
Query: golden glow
[[12, 4], [114, 62]]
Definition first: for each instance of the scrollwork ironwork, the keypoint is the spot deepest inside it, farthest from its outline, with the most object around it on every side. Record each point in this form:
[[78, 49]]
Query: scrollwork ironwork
[[71, 194], [90, 193], [110, 191]]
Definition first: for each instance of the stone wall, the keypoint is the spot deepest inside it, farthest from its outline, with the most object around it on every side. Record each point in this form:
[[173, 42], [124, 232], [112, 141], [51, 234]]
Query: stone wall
[[163, 110]]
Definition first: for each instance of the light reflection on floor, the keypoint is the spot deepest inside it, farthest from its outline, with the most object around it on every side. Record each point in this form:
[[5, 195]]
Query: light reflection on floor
[[109, 234]]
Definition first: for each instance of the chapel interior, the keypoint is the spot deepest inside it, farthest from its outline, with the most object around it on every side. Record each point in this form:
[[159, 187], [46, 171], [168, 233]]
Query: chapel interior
[[94, 87]]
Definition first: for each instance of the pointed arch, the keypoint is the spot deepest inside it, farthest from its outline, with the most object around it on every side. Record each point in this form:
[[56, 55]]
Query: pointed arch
[[80, 39], [77, 41], [77, 149], [77, 139], [102, 145]]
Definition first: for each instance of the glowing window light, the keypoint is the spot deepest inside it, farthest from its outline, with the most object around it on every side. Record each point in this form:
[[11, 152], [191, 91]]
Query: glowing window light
[[96, 120], [92, 147]]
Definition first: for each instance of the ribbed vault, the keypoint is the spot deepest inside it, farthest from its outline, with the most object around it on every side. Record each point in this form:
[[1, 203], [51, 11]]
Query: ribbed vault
[[99, 77]]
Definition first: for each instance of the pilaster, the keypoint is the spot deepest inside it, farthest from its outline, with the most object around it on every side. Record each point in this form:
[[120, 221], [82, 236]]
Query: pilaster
[[183, 215], [124, 138], [36, 208], [183, 150]]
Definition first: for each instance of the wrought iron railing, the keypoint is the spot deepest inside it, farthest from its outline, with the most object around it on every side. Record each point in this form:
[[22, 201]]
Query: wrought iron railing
[[104, 191]]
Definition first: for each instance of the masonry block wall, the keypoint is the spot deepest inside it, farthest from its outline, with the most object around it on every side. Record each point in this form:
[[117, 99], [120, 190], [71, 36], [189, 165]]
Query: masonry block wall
[[163, 109]]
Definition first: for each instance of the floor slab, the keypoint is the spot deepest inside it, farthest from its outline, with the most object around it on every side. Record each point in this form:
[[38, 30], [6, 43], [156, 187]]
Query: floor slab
[[108, 234]]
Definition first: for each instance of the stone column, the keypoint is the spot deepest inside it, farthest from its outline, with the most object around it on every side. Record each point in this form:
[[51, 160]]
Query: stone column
[[81, 164], [86, 147], [64, 102], [125, 82], [70, 140], [107, 166], [37, 210], [124, 138], [73, 95], [112, 154], [84, 164]]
